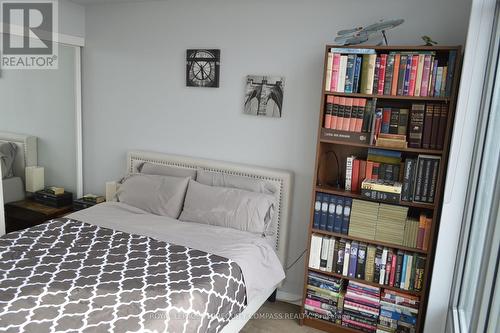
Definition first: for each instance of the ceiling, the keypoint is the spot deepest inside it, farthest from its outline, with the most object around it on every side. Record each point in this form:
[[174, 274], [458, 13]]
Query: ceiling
[[88, 2]]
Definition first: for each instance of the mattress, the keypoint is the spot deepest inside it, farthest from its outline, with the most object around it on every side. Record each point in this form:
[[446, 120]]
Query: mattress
[[253, 253], [13, 189]]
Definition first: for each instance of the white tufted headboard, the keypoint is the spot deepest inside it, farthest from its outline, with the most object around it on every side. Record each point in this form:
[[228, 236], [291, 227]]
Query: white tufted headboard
[[282, 180], [27, 152]]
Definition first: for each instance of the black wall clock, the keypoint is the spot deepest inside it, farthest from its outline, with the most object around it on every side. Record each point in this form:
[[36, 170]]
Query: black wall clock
[[202, 68]]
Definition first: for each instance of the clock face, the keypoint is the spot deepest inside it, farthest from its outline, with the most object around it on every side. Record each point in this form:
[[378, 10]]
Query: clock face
[[202, 68]]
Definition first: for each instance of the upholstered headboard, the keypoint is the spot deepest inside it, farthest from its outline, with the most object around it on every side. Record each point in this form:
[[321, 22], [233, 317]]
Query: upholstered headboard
[[27, 152], [281, 180]]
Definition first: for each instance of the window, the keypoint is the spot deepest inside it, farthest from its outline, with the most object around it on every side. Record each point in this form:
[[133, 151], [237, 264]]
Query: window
[[475, 304]]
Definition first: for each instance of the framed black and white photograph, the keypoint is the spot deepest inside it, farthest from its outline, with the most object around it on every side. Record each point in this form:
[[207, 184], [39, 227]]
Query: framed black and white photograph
[[264, 95], [202, 68]]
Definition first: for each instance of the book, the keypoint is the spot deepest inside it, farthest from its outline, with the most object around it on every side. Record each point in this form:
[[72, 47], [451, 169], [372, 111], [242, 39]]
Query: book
[[427, 130], [401, 75], [416, 125], [347, 114], [389, 74], [324, 212], [92, 198], [348, 173], [435, 126], [355, 176], [357, 75], [381, 74], [339, 214], [353, 259], [452, 56], [342, 73], [370, 263], [346, 215], [325, 242], [386, 120], [317, 210], [406, 85], [328, 112], [376, 76], [424, 89], [408, 179], [339, 266], [335, 112], [347, 256], [361, 261], [329, 66], [403, 121], [443, 118], [334, 79], [367, 73], [395, 74], [420, 72], [349, 76], [331, 213], [314, 251], [394, 121], [54, 190], [413, 75]]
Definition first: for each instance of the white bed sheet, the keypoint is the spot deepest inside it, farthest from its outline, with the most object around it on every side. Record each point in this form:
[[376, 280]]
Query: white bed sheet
[[256, 257]]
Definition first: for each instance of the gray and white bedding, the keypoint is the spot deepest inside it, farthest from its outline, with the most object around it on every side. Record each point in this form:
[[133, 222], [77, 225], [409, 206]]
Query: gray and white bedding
[[114, 267]]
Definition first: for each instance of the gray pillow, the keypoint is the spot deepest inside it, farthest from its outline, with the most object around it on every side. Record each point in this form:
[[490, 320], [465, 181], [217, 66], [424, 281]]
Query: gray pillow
[[8, 152], [166, 170], [213, 178], [227, 207], [160, 195]]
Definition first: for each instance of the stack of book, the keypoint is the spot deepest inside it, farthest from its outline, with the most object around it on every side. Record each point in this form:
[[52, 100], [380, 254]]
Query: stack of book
[[381, 190], [332, 213], [361, 307], [364, 216], [324, 297], [391, 224], [420, 178], [416, 73], [398, 312], [87, 201], [54, 197]]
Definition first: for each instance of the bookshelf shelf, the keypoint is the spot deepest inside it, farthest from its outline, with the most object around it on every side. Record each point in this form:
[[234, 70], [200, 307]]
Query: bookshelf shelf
[[362, 145], [349, 141], [415, 293], [409, 98], [334, 191], [375, 242]]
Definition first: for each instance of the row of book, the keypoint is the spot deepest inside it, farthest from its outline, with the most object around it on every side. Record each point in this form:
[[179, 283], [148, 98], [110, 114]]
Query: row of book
[[420, 178], [362, 261], [360, 306], [384, 177], [421, 126], [332, 213], [324, 297], [347, 114], [417, 232], [380, 222], [396, 73]]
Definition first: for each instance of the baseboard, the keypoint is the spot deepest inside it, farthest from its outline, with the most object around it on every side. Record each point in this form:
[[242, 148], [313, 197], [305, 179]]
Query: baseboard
[[287, 297]]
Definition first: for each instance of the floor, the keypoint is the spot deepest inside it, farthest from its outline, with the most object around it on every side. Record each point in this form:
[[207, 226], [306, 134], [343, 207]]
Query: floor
[[277, 317]]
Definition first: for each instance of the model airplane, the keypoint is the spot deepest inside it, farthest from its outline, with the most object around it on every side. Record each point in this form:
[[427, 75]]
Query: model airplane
[[360, 35]]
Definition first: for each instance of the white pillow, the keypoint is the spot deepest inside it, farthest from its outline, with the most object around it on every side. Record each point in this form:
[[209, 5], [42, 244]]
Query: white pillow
[[160, 195], [228, 207]]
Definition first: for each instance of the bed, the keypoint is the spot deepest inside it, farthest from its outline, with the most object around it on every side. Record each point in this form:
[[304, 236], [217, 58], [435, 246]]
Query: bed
[[26, 155], [129, 270]]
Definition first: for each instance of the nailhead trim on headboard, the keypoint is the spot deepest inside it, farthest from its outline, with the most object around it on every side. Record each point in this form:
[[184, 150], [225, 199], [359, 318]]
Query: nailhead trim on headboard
[[134, 159]]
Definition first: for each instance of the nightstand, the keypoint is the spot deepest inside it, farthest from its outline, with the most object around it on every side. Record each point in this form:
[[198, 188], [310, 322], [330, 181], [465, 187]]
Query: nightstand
[[28, 213]]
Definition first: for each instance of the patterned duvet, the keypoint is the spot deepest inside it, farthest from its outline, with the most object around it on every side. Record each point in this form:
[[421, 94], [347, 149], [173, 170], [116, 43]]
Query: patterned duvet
[[67, 276]]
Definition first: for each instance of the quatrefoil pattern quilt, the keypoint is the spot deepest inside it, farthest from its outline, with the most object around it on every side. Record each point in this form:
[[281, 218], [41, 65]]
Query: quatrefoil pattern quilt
[[67, 276]]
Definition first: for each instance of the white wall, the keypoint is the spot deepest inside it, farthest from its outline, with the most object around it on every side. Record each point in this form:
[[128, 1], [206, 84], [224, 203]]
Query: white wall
[[71, 19], [134, 81]]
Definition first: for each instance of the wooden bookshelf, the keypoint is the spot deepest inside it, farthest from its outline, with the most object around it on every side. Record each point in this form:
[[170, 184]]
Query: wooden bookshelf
[[343, 149]]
